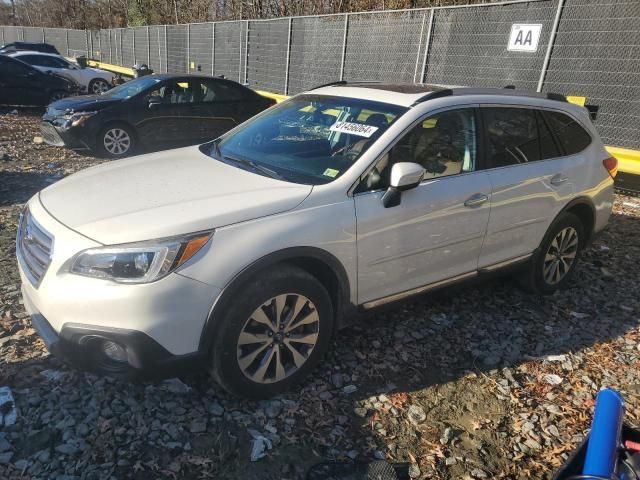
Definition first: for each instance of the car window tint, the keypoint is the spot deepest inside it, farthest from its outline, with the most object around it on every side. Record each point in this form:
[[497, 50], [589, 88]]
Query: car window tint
[[176, 93], [572, 136], [215, 91], [16, 68], [512, 136], [548, 146], [444, 144], [40, 61]]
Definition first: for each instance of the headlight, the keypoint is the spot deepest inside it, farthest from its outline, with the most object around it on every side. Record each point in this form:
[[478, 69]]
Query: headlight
[[77, 119], [141, 262]]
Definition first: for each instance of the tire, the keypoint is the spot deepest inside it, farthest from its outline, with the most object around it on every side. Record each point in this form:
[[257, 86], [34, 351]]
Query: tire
[[57, 95], [248, 350], [116, 140], [566, 234], [98, 86]]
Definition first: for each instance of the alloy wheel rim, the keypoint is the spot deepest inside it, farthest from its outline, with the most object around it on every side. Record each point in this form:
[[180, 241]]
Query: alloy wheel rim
[[99, 87], [278, 338], [560, 255], [117, 141]]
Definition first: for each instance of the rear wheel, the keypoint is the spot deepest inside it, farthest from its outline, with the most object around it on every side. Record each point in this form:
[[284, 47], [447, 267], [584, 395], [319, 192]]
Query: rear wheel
[[98, 86], [273, 335], [552, 267], [116, 141]]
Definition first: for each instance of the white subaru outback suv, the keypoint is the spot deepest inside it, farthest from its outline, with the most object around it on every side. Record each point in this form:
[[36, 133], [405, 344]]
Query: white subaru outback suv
[[246, 254]]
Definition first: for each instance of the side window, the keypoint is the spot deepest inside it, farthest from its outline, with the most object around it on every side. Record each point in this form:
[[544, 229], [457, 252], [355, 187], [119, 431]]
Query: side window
[[548, 145], [512, 136], [214, 91], [16, 68], [444, 144], [42, 61], [177, 93], [573, 138]]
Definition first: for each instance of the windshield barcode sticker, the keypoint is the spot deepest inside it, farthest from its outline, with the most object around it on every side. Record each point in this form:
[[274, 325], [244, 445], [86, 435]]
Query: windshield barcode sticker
[[354, 129]]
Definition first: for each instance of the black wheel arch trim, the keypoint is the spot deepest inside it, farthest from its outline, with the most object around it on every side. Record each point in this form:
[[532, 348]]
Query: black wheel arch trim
[[582, 200], [287, 255]]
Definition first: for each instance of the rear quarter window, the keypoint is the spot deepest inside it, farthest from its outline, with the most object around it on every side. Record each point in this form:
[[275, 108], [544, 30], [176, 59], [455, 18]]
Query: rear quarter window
[[573, 138]]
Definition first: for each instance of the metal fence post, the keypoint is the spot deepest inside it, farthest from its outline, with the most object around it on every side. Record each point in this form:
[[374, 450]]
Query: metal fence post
[[133, 37], [86, 41], [286, 72], [552, 38], [148, 47], [2, 33], [427, 44], [67, 39], [166, 52], [415, 71], [121, 52], [22, 31], [43, 41], [246, 51], [213, 47], [188, 47], [344, 45], [100, 44]]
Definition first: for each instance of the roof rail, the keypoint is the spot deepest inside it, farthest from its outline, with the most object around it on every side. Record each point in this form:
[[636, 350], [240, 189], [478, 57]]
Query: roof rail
[[330, 84], [344, 82], [557, 96], [441, 92]]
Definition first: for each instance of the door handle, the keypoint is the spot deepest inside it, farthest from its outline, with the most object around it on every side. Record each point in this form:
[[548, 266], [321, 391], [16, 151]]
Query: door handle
[[559, 179], [476, 200]]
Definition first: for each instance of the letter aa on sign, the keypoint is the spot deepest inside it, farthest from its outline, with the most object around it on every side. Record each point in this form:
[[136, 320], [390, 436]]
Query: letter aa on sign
[[524, 37]]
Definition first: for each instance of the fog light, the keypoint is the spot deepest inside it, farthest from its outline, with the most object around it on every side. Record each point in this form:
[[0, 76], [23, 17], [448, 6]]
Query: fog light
[[114, 351]]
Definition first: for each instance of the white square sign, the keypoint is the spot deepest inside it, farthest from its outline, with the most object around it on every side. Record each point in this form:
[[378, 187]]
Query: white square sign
[[524, 37]]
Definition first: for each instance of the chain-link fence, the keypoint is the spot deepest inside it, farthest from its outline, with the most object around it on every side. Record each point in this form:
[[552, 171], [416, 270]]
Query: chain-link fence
[[586, 48]]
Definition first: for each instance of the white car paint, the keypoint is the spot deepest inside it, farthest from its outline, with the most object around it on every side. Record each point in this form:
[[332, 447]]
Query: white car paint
[[432, 236], [65, 68]]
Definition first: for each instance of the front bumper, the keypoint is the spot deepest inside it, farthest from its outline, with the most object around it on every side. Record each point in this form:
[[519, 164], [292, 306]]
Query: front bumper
[[72, 138], [159, 324], [79, 346]]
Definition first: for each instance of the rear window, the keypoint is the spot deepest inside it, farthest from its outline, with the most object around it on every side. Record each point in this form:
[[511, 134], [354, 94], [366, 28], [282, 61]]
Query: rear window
[[512, 136], [572, 136]]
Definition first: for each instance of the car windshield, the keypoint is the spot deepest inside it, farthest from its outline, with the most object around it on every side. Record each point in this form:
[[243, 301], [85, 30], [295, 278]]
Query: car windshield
[[311, 139], [132, 87]]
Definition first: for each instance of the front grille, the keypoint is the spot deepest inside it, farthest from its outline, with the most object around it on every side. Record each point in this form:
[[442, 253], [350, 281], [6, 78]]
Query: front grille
[[33, 248], [50, 135]]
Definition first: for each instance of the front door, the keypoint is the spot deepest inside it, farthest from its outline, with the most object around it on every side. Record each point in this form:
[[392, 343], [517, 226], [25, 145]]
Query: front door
[[436, 232], [167, 119]]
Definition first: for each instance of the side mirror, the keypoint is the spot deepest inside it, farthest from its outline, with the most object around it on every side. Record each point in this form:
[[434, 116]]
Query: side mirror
[[154, 100], [404, 176]]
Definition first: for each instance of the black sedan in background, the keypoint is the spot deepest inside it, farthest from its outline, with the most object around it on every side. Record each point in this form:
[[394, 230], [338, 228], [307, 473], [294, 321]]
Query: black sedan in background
[[154, 111], [22, 84], [32, 46]]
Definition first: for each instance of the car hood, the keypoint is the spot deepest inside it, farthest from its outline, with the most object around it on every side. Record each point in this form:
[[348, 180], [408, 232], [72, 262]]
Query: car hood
[[84, 103], [164, 194]]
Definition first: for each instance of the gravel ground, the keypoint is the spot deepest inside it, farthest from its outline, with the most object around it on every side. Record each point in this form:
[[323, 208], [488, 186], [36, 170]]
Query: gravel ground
[[483, 381]]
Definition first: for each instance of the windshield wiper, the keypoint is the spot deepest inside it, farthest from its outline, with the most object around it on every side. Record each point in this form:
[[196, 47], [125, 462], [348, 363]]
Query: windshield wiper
[[255, 166]]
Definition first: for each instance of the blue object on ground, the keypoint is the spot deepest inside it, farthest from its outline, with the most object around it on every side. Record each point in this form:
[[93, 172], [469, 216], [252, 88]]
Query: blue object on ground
[[602, 449]]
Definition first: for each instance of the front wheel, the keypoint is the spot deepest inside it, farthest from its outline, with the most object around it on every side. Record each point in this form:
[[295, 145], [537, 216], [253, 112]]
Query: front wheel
[[116, 141], [552, 267], [272, 336], [98, 86]]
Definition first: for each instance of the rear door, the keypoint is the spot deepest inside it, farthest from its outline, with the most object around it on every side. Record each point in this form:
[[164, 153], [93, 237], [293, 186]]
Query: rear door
[[225, 105], [437, 230], [531, 181]]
